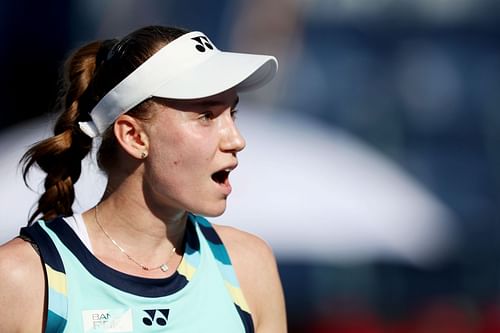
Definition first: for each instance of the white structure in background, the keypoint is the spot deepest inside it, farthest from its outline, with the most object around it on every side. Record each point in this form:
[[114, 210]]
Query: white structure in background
[[313, 193]]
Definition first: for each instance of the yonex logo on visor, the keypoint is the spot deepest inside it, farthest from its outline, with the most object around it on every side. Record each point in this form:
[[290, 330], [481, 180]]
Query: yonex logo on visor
[[181, 71], [203, 43]]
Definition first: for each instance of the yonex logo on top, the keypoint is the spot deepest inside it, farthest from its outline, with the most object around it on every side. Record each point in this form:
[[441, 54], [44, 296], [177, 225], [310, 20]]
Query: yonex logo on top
[[159, 317], [203, 43]]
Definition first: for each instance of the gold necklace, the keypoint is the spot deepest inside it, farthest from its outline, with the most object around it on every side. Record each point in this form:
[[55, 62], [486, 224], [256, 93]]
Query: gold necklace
[[163, 267]]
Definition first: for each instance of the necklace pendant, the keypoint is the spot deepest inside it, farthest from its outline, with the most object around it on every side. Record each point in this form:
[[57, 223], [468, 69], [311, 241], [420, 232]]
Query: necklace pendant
[[164, 267]]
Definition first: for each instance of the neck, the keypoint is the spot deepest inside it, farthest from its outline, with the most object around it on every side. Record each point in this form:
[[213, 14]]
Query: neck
[[149, 236], [135, 219], [138, 216]]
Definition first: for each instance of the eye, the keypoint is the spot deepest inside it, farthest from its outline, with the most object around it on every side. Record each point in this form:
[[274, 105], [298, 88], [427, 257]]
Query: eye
[[206, 116], [234, 113]]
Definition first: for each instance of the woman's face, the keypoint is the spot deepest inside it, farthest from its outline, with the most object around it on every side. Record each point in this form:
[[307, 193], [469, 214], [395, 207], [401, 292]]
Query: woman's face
[[192, 149]]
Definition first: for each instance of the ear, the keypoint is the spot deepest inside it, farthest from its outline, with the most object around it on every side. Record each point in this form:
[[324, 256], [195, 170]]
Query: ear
[[131, 135]]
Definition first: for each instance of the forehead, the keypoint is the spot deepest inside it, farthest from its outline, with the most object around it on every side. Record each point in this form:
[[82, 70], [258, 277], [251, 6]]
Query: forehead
[[223, 100]]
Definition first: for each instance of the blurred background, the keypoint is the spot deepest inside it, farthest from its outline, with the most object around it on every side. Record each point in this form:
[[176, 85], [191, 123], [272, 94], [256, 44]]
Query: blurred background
[[372, 166]]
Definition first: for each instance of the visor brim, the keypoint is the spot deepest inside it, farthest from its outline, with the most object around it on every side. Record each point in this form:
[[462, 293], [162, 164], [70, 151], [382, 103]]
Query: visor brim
[[221, 72]]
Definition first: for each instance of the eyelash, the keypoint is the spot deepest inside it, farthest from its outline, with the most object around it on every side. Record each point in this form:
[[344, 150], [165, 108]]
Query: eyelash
[[206, 116], [210, 115]]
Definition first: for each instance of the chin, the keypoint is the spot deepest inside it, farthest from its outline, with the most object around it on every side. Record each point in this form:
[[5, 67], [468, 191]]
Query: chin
[[211, 211]]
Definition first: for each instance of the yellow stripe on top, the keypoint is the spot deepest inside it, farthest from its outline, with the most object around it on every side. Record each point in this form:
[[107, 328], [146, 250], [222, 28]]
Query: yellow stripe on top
[[238, 297], [186, 269], [57, 280]]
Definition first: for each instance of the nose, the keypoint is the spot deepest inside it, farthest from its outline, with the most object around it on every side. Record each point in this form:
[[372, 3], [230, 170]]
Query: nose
[[232, 140]]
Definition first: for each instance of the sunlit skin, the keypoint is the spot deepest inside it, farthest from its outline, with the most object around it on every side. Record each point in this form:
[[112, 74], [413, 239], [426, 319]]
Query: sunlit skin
[[189, 141], [145, 208]]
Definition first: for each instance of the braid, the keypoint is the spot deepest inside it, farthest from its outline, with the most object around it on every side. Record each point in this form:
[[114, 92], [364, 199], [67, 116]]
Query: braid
[[60, 156], [89, 74]]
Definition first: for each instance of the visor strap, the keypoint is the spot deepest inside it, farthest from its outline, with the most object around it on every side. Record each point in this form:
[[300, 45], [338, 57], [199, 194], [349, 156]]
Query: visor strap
[[163, 66], [89, 128]]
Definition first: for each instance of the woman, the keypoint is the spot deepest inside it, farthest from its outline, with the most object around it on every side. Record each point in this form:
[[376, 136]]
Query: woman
[[163, 101]]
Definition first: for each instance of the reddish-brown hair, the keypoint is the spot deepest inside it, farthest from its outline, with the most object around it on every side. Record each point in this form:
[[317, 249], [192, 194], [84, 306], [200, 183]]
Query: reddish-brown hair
[[89, 73]]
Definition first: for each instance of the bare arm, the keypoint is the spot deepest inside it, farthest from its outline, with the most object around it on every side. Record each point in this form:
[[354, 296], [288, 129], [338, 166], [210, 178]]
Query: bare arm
[[22, 288], [257, 273]]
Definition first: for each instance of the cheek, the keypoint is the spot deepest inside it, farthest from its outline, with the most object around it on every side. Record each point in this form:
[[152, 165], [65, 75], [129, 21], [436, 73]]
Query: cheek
[[177, 155], [166, 145], [182, 150]]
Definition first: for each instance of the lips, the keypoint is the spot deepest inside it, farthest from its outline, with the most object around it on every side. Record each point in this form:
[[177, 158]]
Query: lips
[[221, 178]]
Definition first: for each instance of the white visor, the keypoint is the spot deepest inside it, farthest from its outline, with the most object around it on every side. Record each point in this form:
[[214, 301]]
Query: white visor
[[189, 67]]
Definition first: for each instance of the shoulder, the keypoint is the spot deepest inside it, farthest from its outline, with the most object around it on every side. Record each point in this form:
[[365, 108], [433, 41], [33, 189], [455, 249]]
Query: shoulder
[[249, 246], [17, 258], [22, 286], [257, 272]]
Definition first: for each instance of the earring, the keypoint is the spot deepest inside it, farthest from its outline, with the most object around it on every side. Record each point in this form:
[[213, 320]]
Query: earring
[[144, 155]]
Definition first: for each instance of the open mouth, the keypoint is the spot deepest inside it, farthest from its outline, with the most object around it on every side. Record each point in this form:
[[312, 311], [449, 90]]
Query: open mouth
[[220, 177]]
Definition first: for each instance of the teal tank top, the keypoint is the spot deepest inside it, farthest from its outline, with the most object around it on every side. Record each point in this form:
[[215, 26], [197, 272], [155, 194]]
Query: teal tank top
[[85, 295]]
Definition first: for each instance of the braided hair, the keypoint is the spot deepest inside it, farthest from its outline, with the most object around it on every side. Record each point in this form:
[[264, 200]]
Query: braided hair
[[89, 73]]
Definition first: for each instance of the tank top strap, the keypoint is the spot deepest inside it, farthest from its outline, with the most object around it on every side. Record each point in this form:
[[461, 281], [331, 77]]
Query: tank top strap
[[57, 307], [226, 269]]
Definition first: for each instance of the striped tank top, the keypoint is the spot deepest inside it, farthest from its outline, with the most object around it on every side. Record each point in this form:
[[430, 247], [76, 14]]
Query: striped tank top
[[85, 295]]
